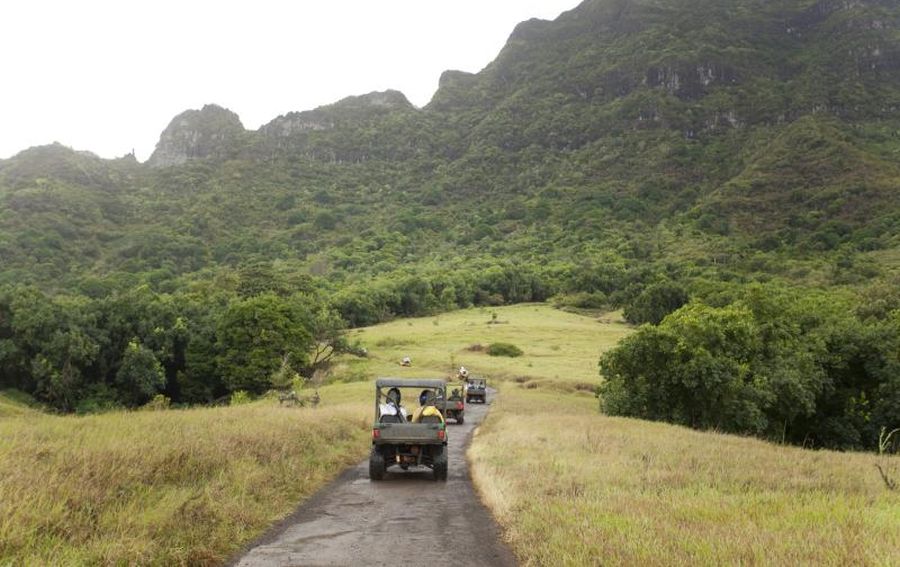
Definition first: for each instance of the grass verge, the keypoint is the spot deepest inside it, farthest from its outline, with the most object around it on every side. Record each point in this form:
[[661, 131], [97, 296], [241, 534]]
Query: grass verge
[[572, 487], [179, 487]]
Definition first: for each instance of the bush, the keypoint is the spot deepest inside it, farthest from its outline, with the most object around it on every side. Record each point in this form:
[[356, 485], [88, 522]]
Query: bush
[[581, 300], [655, 302], [240, 397], [98, 398], [504, 349], [158, 403]]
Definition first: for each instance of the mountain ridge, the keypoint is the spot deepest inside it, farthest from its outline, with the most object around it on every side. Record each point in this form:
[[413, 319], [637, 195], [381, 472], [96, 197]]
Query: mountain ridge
[[600, 130]]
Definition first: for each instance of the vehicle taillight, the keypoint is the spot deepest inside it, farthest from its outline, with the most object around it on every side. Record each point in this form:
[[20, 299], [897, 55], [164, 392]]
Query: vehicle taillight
[[459, 405], [376, 433], [441, 434]]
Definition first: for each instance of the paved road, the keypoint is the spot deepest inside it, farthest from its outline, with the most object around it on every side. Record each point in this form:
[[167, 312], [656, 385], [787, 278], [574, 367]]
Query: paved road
[[406, 519]]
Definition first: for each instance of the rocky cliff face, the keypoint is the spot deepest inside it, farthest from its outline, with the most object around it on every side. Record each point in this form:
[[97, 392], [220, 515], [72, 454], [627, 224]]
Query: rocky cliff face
[[327, 132], [346, 111], [332, 132], [211, 132]]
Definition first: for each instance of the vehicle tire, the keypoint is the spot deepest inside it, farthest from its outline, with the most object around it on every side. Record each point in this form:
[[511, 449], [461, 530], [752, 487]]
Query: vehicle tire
[[376, 465], [468, 400], [440, 465], [460, 420]]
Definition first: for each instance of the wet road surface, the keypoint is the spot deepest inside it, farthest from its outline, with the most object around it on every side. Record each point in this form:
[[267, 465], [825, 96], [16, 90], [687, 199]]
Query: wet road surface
[[405, 519]]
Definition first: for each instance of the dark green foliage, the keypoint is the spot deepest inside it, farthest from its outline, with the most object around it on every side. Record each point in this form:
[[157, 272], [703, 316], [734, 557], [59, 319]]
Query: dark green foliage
[[94, 354], [504, 349], [628, 155], [256, 336], [655, 302], [140, 376], [692, 129], [581, 300], [783, 365]]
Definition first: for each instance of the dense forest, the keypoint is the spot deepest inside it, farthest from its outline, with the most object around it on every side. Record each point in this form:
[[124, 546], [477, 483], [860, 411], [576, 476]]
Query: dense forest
[[726, 172]]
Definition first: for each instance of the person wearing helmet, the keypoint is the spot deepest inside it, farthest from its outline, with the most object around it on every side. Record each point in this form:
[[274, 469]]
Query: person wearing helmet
[[392, 406], [427, 412]]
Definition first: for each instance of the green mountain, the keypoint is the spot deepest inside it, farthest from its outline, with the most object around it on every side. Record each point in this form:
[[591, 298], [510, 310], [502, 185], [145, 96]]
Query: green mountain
[[737, 156], [746, 133]]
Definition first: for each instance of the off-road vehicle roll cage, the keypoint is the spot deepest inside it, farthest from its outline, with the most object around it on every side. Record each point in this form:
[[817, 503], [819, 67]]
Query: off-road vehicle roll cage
[[398, 440]]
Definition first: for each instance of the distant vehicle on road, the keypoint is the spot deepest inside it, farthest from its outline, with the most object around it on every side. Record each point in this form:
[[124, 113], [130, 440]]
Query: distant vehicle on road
[[476, 390], [455, 408]]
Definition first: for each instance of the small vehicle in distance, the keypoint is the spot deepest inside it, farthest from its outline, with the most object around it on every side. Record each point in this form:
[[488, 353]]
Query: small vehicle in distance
[[399, 439], [476, 390], [455, 408]]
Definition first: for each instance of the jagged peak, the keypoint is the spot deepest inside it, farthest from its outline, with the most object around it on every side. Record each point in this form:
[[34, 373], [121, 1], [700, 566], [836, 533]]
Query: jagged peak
[[453, 77], [529, 29], [211, 131], [209, 112], [389, 99], [323, 117]]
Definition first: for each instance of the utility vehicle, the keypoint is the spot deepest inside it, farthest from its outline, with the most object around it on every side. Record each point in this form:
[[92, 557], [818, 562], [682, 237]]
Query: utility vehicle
[[476, 390], [409, 439], [455, 408]]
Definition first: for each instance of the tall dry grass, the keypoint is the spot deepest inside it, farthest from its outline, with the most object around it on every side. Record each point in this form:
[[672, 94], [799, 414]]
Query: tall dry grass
[[572, 487], [181, 487]]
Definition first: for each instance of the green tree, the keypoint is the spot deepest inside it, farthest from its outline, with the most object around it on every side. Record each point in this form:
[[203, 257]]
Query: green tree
[[256, 334], [328, 339], [141, 376], [655, 302]]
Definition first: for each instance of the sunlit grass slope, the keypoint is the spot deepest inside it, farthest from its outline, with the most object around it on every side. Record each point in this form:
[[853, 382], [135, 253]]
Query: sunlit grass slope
[[15, 403], [560, 349], [178, 487], [572, 487]]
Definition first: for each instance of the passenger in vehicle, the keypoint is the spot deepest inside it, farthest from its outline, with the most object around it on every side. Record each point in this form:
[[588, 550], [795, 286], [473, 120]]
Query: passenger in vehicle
[[392, 411], [427, 412]]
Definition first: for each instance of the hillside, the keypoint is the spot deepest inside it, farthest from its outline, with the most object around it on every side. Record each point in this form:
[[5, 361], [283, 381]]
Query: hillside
[[645, 128], [632, 154]]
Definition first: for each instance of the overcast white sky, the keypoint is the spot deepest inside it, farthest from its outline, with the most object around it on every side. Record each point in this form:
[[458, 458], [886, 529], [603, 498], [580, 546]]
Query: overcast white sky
[[108, 76]]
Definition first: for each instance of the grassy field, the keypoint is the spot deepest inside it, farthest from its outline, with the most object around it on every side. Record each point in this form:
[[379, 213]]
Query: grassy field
[[193, 486], [572, 487], [561, 349], [16, 404], [177, 487], [568, 485]]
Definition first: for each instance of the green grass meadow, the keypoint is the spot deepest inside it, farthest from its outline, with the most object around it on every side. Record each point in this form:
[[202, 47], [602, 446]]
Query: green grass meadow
[[567, 484], [561, 349]]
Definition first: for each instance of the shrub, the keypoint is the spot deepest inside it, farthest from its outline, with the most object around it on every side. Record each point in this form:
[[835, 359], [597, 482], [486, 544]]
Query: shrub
[[504, 349], [159, 402], [655, 302], [240, 397], [581, 300]]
